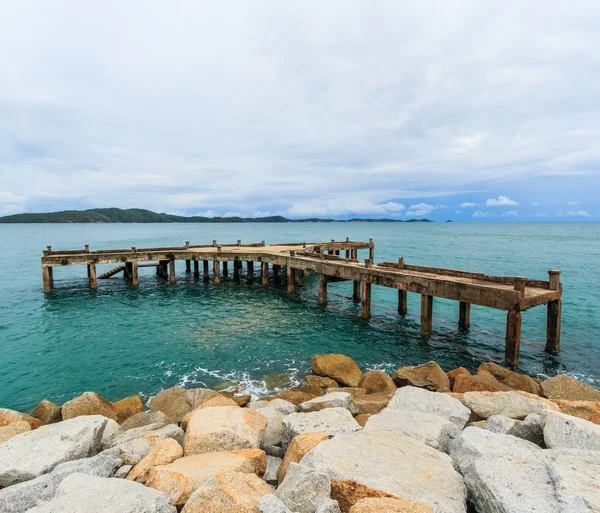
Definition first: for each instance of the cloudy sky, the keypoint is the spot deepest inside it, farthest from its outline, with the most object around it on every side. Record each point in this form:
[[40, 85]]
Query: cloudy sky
[[463, 110]]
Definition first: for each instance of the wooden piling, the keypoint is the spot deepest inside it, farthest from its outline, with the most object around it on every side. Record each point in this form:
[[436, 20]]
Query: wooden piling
[[188, 266], [553, 326], [464, 316], [205, 274], [291, 279], [372, 251], [264, 272], [236, 268], [513, 338], [216, 272], [426, 315], [322, 290], [277, 273], [356, 291], [128, 272], [250, 271], [366, 300], [92, 275], [135, 279], [402, 302], [172, 276], [225, 269], [196, 269], [47, 279]]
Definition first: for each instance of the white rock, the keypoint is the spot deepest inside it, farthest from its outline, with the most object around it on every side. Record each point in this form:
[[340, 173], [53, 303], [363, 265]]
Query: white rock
[[561, 430], [528, 429], [280, 405], [303, 488], [123, 471], [331, 400], [435, 431], [37, 452], [330, 420], [271, 504], [510, 404], [421, 400], [273, 465], [80, 493], [273, 434], [111, 431], [329, 506]]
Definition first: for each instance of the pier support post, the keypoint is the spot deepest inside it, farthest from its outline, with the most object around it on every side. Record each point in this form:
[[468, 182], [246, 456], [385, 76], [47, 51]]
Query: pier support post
[[250, 271], [172, 277], [264, 273], [426, 315], [513, 338], [188, 266], [216, 272], [135, 279], [161, 269], [47, 277], [205, 275], [356, 291], [277, 273], [92, 275], [553, 327], [291, 279], [322, 290], [196, 269], [402, 302], [464, 316], [127, 273], [371, 251], [225, 268], [236, 269], [366, 300]]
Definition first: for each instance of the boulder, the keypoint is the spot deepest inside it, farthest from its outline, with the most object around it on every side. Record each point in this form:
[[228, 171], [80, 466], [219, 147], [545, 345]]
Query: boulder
[[221, 400], [176, 402], [164, 452], [338, 367], [443, 405], [320, 381], [529, 429], [510, 378], [47, 412], [588, 410], [516, 405], [242, 400], [565, 431], [296, 396], [452, 375], [429, 376], [128, 407], [303, 488], [224, 428], [330, 420], [273, 434], [353, 391], [280, 405], [81, 493], [37, 452], [388, 505], [111, 431], [14, 429], [271, 504], [275, 382], [567, 387], [435, 431], [298, 447], [273, 465], [393, 464], [483, 382], [123, 472], [145, 419], [10, 416], [347, 493], [179, 479], [372, 403], [89, 403], [22, 497], [376, 381], [228, 492], [332, 400], [328, 506]]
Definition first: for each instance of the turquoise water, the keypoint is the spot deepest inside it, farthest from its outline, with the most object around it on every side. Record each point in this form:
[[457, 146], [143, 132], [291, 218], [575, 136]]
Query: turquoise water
[[119, 341]]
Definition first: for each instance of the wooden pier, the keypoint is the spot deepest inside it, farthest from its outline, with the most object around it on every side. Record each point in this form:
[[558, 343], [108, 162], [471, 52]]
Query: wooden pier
[[336, 261]]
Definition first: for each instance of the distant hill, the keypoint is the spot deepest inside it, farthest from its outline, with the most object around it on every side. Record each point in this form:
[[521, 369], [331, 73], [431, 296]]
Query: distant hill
[[139, 215]]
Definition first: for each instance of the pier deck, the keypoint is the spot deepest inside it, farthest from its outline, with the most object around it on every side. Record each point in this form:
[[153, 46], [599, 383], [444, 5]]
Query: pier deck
[[338, 261]]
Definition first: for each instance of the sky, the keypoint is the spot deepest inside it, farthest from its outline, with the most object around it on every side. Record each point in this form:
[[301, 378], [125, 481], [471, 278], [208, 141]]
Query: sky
[[462, 110]]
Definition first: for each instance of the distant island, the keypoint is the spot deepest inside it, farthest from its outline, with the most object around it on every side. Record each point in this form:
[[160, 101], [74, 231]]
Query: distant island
[[139, 215]]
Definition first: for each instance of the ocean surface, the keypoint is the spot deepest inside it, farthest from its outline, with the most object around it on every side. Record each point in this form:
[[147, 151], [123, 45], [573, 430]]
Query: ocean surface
[[119, 341]]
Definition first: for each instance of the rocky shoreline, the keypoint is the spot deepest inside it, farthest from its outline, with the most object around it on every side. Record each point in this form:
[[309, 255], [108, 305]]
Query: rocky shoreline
[[420, 441]]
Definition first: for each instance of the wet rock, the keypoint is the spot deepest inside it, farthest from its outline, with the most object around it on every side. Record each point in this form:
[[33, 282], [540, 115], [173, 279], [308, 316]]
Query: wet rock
[[179, 479], [34, 453], [483, 382], [333, 400], [338, 367], [224, 428], [529, 429], [372, 403], [47, 412], [273, 465], [145, 419], [510, 378], [376, 382], [277, 381], [164, 452], [89, 403], [176, 402], [452, 375], [299, 446], [242, 400], [565, 431], [128, 407], [516, 405], [330, 420], [303, 488], [320, 381], [271, 504], [419, 400], [429, 376], [228, 492], [387, 505], [10, 416], [81, 493], [390, 463], [588, 410], [16, 428], [567, 387]]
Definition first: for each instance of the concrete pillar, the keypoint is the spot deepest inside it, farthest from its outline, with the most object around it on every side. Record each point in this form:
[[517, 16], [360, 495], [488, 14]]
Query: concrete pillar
[[553, 326], [402, 302], [464, 316], [92, 275], [205, 273], [172, 276], [513, 338], [366, 300], [322, 289], [426, 315], [264, 273], [216, 272]]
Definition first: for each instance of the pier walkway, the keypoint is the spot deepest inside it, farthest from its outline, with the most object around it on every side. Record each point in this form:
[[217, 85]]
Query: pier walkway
[[338, 261]]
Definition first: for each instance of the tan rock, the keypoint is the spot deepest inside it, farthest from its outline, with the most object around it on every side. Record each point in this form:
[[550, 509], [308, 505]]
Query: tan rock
[[316, 391], [47, 412], [145, 419], [164, 452], [372, 403], [514, 404], [294, 396], [569, 388], [510, 378], [362, 418], [460, 371], [89, 403], [176, 402], [588, 410], [298, 447], [181, 478], [353, 391], [348, 493], [220, 400], [13, 429], [429, 376], [10, 416], [275, 382], [339, 367], [228, 492], [388, 505], [224, 428], [128, 407], [242, 400], [320, 381], [483, 382], [458, 396], [376, 381]]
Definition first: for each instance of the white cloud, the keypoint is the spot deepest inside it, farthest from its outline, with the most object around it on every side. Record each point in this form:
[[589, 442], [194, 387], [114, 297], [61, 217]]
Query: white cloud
[[468, 204], [208, 213], [511, 213], [479, 213], [458, 211], [573, 203], [502, 201], [577, 213], [469, 142], [421, 209], [344, 206], [232, 214]]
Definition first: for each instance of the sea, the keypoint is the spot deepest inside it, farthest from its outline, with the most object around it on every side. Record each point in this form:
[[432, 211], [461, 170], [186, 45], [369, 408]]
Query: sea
[[118, 340]]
